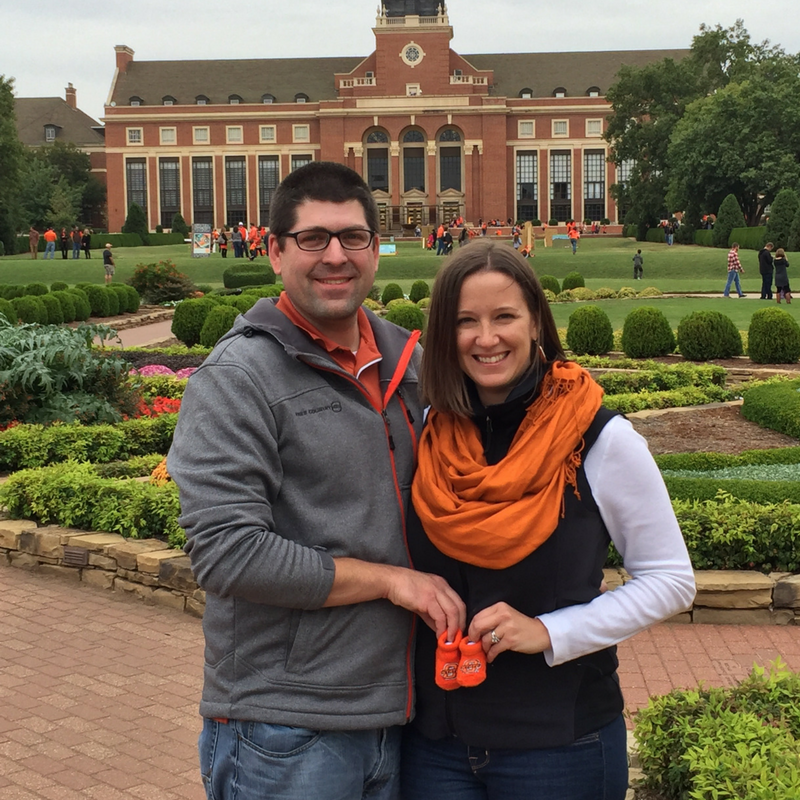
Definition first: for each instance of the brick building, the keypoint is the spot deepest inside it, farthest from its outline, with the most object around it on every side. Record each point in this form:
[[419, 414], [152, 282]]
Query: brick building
[[434, 133]]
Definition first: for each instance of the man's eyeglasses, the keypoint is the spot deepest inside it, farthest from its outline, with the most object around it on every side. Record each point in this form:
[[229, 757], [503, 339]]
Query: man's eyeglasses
[[318, 238]]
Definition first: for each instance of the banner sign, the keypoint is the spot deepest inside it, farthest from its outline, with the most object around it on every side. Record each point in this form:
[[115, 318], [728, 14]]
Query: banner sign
[[201, 241]]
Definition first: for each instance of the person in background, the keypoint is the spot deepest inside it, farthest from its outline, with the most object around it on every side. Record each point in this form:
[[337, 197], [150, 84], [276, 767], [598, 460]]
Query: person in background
[[782, 289], [734, 270], [523, 479], [766, 268], [86, 242], [108, 263], [33, 242], [64, 243], [223, 241], [236, 239], [50, 243], [76, 241], [574, 235], [638, 261]]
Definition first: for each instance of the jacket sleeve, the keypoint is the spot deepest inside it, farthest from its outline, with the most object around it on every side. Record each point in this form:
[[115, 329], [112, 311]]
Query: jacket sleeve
[[635, 506], [225, 461]]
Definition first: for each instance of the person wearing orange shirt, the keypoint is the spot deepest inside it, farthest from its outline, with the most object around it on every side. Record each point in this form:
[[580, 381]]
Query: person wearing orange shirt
[[253, 241], [50, 243], [573, 238]]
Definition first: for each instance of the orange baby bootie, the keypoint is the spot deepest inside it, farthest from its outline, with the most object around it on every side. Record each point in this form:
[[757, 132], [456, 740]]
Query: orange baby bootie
[[447, 658], [472, 667]]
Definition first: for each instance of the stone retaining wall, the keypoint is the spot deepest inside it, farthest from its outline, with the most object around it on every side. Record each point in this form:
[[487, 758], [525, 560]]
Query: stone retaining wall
[[153, 572]]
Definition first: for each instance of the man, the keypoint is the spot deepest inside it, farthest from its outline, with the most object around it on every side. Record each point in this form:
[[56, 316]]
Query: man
[[33, 241], [108, 263], [765, 267], [734, 270], [638, 261], [293, 454], [50, 237], [573, 237], [76, 242]]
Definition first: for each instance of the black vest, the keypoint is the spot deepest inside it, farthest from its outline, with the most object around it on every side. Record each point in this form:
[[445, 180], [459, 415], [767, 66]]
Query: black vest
[[524, 703]]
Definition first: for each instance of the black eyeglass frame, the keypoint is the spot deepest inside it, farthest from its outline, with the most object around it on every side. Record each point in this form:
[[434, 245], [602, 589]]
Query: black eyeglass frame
[[331, 235]]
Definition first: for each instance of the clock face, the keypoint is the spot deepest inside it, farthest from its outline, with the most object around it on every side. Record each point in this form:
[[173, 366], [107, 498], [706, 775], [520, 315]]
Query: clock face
[[412, 53]]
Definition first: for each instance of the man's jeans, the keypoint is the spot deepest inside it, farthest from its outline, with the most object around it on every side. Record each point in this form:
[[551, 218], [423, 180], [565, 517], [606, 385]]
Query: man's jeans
[[50, 250], [733, 277], [256, 760], [76, 249], [766, 286]]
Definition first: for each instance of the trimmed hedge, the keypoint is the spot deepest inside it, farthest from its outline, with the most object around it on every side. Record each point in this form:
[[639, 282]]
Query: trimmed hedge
[[703, 335], [30, 309], [550, 282], [408, 316], [646, 333], [773, 337], [8, 311], [218, 322], [749, 238], [99, 240], [572, 280], [708, 461], [672, 398], [753, 491], [55, 315], [589, 331], [391, 291], [774, 405], [656, 235], [158, 239], [253, 273], [704, 238], [189, 317], [669, 376]]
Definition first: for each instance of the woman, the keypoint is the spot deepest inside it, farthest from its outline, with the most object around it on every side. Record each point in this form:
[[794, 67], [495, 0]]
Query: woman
[[64, 242], [223, 241], [782, 288], [522, 480], [86, 242]]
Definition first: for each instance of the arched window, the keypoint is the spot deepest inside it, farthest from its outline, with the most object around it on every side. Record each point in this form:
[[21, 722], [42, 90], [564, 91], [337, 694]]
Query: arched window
[[168, 100], [413, 136], [136, 101], [377, 137], [449, 154], [559, 92], [526, 94], [377, 165], [202, 100], [593, 91], [413, 160], [300, 97], [267, 98], [234, 99], [449, 136]]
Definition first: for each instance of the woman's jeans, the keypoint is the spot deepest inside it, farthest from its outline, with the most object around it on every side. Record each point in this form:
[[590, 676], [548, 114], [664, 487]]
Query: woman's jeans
[[595, 767]]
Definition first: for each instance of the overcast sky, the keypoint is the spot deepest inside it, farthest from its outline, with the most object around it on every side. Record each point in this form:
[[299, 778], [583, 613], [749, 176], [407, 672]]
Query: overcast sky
[[47, 43]]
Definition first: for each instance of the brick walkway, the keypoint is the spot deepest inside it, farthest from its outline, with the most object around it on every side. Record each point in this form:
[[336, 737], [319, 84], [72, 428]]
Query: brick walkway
[[98, 693]]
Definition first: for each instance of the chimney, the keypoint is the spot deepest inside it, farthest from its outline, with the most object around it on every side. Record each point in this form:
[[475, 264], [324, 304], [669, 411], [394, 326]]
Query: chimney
[[124, 56], [71, 96]]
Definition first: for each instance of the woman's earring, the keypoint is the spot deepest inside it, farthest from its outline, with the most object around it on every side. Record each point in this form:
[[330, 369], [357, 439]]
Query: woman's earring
[[542, 354]]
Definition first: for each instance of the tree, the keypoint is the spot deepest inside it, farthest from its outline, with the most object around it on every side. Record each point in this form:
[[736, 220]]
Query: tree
[[794, 233], [11, 151], [136, 222], [64, 204], [74, 166], [729, 217], [179, 224], [37, 179], [781, 215]]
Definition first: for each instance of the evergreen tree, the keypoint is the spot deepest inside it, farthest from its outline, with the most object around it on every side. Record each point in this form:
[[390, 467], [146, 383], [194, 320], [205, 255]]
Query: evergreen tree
[[136, 222], [794, 233], [782, 213], [10, 160], [729, 217], [64, 204], [179, 224]]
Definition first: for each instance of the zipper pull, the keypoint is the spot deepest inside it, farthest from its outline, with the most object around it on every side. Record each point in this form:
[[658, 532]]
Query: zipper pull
[[388, 429], [407, 409]]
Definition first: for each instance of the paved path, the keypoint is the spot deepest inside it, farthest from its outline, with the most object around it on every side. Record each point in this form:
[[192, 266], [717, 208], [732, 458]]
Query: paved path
[[98, 692], [146, 335]]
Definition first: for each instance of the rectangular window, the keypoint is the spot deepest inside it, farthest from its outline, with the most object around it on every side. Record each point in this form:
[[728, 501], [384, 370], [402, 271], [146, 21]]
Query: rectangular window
[[300, 161], [450, 168], [413, 90], [235, 190], [560, 127], [203, 190], [527, 185], [168, 135], [560, 185], [413, 168], [594, 185], [594, 127], [624, 170], [201, 135], [169, 181], [268, 179], [267, 133], [135, 136], [49, 134], [378, 169], [526, 129], [136, 178], [300, 133], [233, 134]]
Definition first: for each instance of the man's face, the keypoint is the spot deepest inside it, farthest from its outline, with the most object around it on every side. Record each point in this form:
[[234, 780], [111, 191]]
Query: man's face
[[327, 286]]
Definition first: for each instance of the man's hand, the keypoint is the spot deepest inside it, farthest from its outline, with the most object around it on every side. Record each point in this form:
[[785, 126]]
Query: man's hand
[[429, 596]]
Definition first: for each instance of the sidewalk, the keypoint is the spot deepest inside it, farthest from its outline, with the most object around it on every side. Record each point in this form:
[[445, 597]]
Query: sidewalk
[[99, 693]]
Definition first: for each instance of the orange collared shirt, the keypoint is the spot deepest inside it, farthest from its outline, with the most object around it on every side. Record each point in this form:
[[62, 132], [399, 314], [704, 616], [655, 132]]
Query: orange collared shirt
[[363, 364]]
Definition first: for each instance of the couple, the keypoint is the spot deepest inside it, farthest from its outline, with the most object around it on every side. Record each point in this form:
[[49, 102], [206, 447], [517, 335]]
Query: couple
[[294, 455]]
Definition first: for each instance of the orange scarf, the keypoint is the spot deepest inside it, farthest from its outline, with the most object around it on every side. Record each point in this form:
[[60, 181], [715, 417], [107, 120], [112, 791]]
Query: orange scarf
[[494, 516]]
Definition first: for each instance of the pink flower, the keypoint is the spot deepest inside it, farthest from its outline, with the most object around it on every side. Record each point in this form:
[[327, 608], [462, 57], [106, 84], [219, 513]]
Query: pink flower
[[155, 369], [185, 372]]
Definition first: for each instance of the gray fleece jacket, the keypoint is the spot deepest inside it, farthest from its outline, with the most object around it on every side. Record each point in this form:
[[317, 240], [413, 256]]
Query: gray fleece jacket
[[282, 465]]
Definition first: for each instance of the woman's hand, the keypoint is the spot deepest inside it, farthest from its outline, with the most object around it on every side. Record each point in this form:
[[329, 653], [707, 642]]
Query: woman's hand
[[514, 631]]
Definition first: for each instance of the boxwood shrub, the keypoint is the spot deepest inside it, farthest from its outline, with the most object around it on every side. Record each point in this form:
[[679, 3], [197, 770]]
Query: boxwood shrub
[[98, 300], [30, 309], [773, 337], [67, 303], [391, 291], [419, 289], [408, 316], [8, 311], [83, 309], [113, 301], [253, 273], [58, 286], [708, 461], [188, 319], [36, 289], [572, 280], [55, 316], [646, 333], [749, 238], [218, 322], [550, 282], [774, 405], [589, 331], [754, 491], [703, 335]]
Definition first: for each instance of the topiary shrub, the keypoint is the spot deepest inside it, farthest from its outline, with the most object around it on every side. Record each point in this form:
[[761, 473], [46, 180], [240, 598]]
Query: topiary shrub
[[582, 293], [794, 233], [424, 303], [83, 308], [58, 286], [647, 334], [36, 289], [604, 293], [565, 296], [136, 222], [273, 290], [704, 335], [30, 309], [650, 291], [773, 337], [419, 289], [391, 291], [572, 280], [774, 405], [589, 332], [8, 312], [399, 301], [550, 282], [253, 273], [549, 296], [55, 316], [98, 300], [372, 305], [781, 213], [129, 300], [188, 319], [375, 293], [408, 316], [179, 224], [13, 290], [729, 217], [242, 302], [552, 221], [67, 303], [113, 301], [218, 322], [626, 292]]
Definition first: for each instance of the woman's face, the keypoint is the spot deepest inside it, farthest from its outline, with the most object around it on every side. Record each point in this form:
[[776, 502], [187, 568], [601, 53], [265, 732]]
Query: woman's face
[[494, 332]]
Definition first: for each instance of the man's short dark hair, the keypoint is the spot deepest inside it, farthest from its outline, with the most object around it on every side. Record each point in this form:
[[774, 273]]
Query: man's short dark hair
[[320, 180]]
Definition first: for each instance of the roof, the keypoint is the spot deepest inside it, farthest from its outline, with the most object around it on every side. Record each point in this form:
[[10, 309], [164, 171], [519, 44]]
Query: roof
[[33, 113], [284, 78]]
